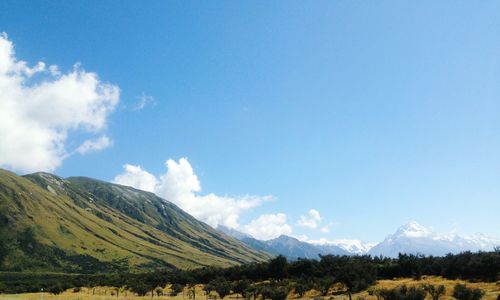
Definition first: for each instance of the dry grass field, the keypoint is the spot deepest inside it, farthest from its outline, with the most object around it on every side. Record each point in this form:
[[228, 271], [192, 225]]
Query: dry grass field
[[492, 290]]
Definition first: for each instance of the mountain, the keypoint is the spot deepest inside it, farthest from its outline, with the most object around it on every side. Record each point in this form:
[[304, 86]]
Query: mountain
[[413, 238], [233, 232], [287, 246], [354, 247], [248, 240], [293, 248], [85, 225]]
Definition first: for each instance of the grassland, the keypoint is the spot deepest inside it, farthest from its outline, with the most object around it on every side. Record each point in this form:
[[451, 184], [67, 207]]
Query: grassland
[[492, 290]]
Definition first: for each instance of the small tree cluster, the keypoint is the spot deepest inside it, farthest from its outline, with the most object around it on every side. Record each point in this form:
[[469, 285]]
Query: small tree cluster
[[436, 291]]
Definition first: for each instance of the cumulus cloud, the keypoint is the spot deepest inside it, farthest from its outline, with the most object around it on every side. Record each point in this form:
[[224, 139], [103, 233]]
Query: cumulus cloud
[[268, 226], [181, 186], [311, 220], [94, 145], [40, 107], [136, 177]]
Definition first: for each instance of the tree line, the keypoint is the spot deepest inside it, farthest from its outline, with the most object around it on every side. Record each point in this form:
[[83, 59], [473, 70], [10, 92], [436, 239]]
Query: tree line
[[274, 279]]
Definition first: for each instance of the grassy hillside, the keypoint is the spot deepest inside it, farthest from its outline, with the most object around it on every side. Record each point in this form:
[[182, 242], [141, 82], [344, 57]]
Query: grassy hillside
[[85, 225]]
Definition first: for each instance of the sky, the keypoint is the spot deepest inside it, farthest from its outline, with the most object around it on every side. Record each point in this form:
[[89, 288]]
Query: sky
[[324, 119]]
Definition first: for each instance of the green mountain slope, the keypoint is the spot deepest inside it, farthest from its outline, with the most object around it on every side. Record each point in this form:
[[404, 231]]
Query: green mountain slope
[[85, 225]]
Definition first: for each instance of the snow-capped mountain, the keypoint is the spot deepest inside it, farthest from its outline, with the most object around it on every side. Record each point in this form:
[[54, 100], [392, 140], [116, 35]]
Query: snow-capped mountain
[[288, 246], [413, 238], [351, 246]]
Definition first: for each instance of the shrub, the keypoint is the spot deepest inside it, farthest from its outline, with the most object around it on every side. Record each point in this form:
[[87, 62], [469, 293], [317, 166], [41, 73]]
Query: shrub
[[55, 289], [139, 288], [279, 292], [301, 287], [435, 291], [176, 289], [403, 293], [462, 292], [372, 291]]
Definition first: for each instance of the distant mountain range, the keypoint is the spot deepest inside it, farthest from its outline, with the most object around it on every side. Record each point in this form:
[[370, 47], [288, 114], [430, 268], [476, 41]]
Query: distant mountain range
[[411, 238], [285, 245]]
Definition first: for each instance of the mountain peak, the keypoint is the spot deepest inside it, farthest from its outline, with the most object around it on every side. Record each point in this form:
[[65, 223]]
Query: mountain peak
[[413, 229], [413, 238]]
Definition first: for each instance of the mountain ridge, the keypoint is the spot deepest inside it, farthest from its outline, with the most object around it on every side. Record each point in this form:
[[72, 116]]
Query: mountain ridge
[[409, 238], [78, 223]]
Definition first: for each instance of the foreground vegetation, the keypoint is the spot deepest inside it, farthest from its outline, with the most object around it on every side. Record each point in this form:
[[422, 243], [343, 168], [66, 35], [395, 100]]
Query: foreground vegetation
[[278, 279], [336, 292]]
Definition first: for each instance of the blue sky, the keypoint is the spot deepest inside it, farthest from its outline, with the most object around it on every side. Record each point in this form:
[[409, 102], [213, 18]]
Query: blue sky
[[373, 113]]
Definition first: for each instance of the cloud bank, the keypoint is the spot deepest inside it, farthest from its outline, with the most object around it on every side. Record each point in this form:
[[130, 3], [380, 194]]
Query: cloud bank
[[40, 107], [181, 186]]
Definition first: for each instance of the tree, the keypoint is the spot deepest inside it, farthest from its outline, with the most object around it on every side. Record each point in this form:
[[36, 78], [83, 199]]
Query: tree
[[372, 291], [302, 286], [240, 286], [356, 275], [176, 289], [221, 286], [462, 292], [252, 292], [159, 292], [140, 288], [435, 291], [153, 281], [324, 284], [277, 267]]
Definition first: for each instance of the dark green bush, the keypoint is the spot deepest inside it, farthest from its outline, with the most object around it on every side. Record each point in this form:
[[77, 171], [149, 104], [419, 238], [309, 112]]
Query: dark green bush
[[462, 292]]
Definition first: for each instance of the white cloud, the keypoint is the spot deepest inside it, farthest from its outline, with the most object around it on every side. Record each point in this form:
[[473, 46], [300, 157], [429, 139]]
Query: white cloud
[[311, 220], [325, 229], [94, 145], [40, 107], [136, 177], [268, 226], [143, 100], [181, 186]]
